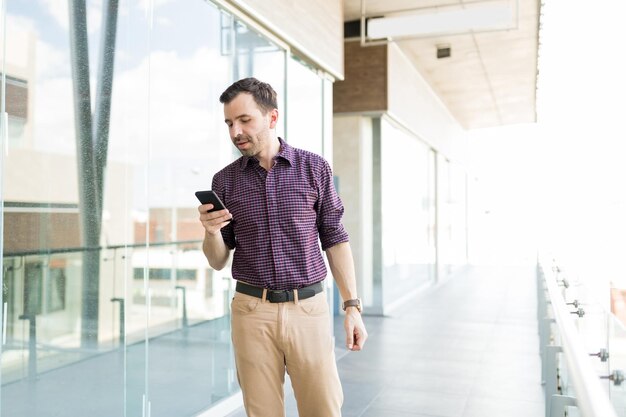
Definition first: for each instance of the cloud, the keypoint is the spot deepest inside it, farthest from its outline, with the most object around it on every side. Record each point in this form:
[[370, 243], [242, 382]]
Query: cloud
[[59, 10], [172, 98], [183, 103], [52, 62]]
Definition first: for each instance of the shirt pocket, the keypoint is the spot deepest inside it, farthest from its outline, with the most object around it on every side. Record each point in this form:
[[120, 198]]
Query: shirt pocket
[[299, 203]]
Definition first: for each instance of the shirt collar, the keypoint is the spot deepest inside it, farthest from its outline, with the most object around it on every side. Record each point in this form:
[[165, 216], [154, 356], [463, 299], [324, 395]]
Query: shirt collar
[[285, 152]]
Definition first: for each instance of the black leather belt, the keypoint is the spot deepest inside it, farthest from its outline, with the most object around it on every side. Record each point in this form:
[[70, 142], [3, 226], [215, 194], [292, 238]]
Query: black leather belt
[[280, 296]]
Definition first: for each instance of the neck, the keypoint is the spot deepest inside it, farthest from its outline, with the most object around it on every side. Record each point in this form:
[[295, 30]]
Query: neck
[[266, 158]]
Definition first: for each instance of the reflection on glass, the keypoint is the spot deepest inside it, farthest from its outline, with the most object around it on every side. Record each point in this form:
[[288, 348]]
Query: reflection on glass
[[159, 312], [258, 57]]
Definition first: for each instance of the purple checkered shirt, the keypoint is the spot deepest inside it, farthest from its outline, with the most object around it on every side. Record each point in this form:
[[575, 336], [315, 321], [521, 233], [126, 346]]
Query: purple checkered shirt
[[278, 216]]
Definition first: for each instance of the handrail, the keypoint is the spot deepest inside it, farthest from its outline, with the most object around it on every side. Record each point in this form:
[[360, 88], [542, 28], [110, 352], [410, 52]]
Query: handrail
[[591, 398], [95, 248]]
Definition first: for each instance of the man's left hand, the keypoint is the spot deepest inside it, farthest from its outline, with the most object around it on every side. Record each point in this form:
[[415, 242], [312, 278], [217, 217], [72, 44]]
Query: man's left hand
[[356, 335]]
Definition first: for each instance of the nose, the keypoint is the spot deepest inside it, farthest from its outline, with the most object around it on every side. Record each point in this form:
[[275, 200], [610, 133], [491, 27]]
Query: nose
[[235, 130]]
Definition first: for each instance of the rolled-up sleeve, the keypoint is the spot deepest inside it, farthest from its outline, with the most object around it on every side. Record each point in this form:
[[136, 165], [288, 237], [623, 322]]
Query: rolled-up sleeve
[[329, 211]]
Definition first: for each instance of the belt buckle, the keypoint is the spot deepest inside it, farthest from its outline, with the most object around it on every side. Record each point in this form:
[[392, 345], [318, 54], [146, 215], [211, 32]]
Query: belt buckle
[[278, 296]]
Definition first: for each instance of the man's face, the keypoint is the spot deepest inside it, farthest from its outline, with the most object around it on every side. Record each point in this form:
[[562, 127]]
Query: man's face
[[248, 127]]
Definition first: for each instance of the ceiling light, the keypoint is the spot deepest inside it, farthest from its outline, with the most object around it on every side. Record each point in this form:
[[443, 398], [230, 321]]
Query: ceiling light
[[436, 21]]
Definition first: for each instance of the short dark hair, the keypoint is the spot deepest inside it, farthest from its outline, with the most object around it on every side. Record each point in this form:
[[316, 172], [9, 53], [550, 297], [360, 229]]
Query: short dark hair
[[263, 93]]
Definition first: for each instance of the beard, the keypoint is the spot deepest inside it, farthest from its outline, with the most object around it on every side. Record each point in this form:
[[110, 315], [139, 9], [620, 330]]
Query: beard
[[253, 144], [251, 148]]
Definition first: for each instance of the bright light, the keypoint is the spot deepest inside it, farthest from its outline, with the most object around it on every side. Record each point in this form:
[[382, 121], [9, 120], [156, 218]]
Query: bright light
[[493, 15]]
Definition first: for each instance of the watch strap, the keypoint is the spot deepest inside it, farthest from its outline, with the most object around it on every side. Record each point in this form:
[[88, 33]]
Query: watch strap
[[356, 302]]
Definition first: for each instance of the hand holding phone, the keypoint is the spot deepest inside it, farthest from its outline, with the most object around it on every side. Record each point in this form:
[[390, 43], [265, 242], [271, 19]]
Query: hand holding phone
[[209, 197], [212, 222]]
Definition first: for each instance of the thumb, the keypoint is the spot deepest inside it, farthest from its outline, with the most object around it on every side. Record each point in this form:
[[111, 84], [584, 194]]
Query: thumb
[[349, 336]]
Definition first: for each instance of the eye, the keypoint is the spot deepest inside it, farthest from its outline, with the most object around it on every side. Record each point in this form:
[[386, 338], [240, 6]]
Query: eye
[[229, 124], [245, 120]]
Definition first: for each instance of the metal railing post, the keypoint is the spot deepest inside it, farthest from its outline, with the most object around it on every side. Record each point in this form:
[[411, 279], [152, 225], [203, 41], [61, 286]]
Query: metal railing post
[[559, 402], [32, 345], [551, 374], [122, 330], [184, 291], [227, 294], [541, 295], [545, 329]]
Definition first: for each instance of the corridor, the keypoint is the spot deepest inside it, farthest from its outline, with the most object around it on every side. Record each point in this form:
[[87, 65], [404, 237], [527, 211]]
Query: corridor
[[466, 348]]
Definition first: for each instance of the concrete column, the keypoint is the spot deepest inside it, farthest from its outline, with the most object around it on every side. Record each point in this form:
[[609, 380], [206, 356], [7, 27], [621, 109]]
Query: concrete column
[[353, 164]]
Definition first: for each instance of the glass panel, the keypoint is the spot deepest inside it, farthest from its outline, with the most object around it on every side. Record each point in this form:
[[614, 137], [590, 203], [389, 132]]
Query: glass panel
[[152, 290], [258, 57], [116, 304], [407, 245], [190, 354], [52, 287], [445, 244], [431, 209], [305, 119], [458, 217]]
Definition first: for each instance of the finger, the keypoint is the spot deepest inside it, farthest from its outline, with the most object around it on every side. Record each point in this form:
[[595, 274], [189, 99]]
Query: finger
[[350, 337], [359, 338], [226, 217], [213, 222], [356, 345], [204, 208], [218, 216]]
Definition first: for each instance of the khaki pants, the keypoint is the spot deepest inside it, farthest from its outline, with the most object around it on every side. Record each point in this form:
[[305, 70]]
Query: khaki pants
[[271, 337]]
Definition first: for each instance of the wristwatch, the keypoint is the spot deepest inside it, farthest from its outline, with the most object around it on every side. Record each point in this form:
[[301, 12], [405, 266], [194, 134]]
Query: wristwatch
[[356, 302]]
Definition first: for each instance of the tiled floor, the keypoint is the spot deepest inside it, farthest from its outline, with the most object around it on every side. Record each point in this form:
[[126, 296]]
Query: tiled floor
[[467, 348]]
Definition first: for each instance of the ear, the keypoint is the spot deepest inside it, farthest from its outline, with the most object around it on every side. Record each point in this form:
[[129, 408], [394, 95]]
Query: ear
[[273, 118]]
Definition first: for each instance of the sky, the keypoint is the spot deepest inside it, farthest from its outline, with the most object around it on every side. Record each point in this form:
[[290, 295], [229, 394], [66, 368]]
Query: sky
[[558, 185]]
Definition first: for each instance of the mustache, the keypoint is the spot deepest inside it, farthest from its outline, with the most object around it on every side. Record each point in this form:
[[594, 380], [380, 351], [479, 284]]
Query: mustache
[[241, 138]]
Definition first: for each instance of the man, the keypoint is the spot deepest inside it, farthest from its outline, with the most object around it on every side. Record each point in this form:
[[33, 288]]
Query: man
[[279, 200]]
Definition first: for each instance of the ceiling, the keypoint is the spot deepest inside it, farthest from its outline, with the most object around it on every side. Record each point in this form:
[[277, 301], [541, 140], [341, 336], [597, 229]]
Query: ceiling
[[489, 79]]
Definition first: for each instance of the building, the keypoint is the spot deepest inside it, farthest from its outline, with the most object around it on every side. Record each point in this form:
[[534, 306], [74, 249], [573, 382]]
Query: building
[[112, 121]]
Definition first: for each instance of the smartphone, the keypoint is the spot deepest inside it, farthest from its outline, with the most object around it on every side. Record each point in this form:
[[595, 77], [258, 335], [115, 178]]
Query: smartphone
[[209, 196]]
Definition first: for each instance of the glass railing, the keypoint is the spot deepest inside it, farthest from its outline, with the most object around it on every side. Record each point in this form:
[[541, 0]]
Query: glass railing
[[583, 345], [163, 318]]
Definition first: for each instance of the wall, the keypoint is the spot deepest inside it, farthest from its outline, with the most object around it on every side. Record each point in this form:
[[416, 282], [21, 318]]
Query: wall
[[414, 104], [409, 130], [314, 28], [365, 85]]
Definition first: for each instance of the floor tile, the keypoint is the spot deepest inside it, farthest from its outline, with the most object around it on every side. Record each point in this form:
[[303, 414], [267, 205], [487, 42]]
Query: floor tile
[[433, 403]]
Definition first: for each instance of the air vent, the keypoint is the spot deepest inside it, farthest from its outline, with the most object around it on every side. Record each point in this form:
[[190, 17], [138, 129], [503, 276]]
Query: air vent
[[443, 51]]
